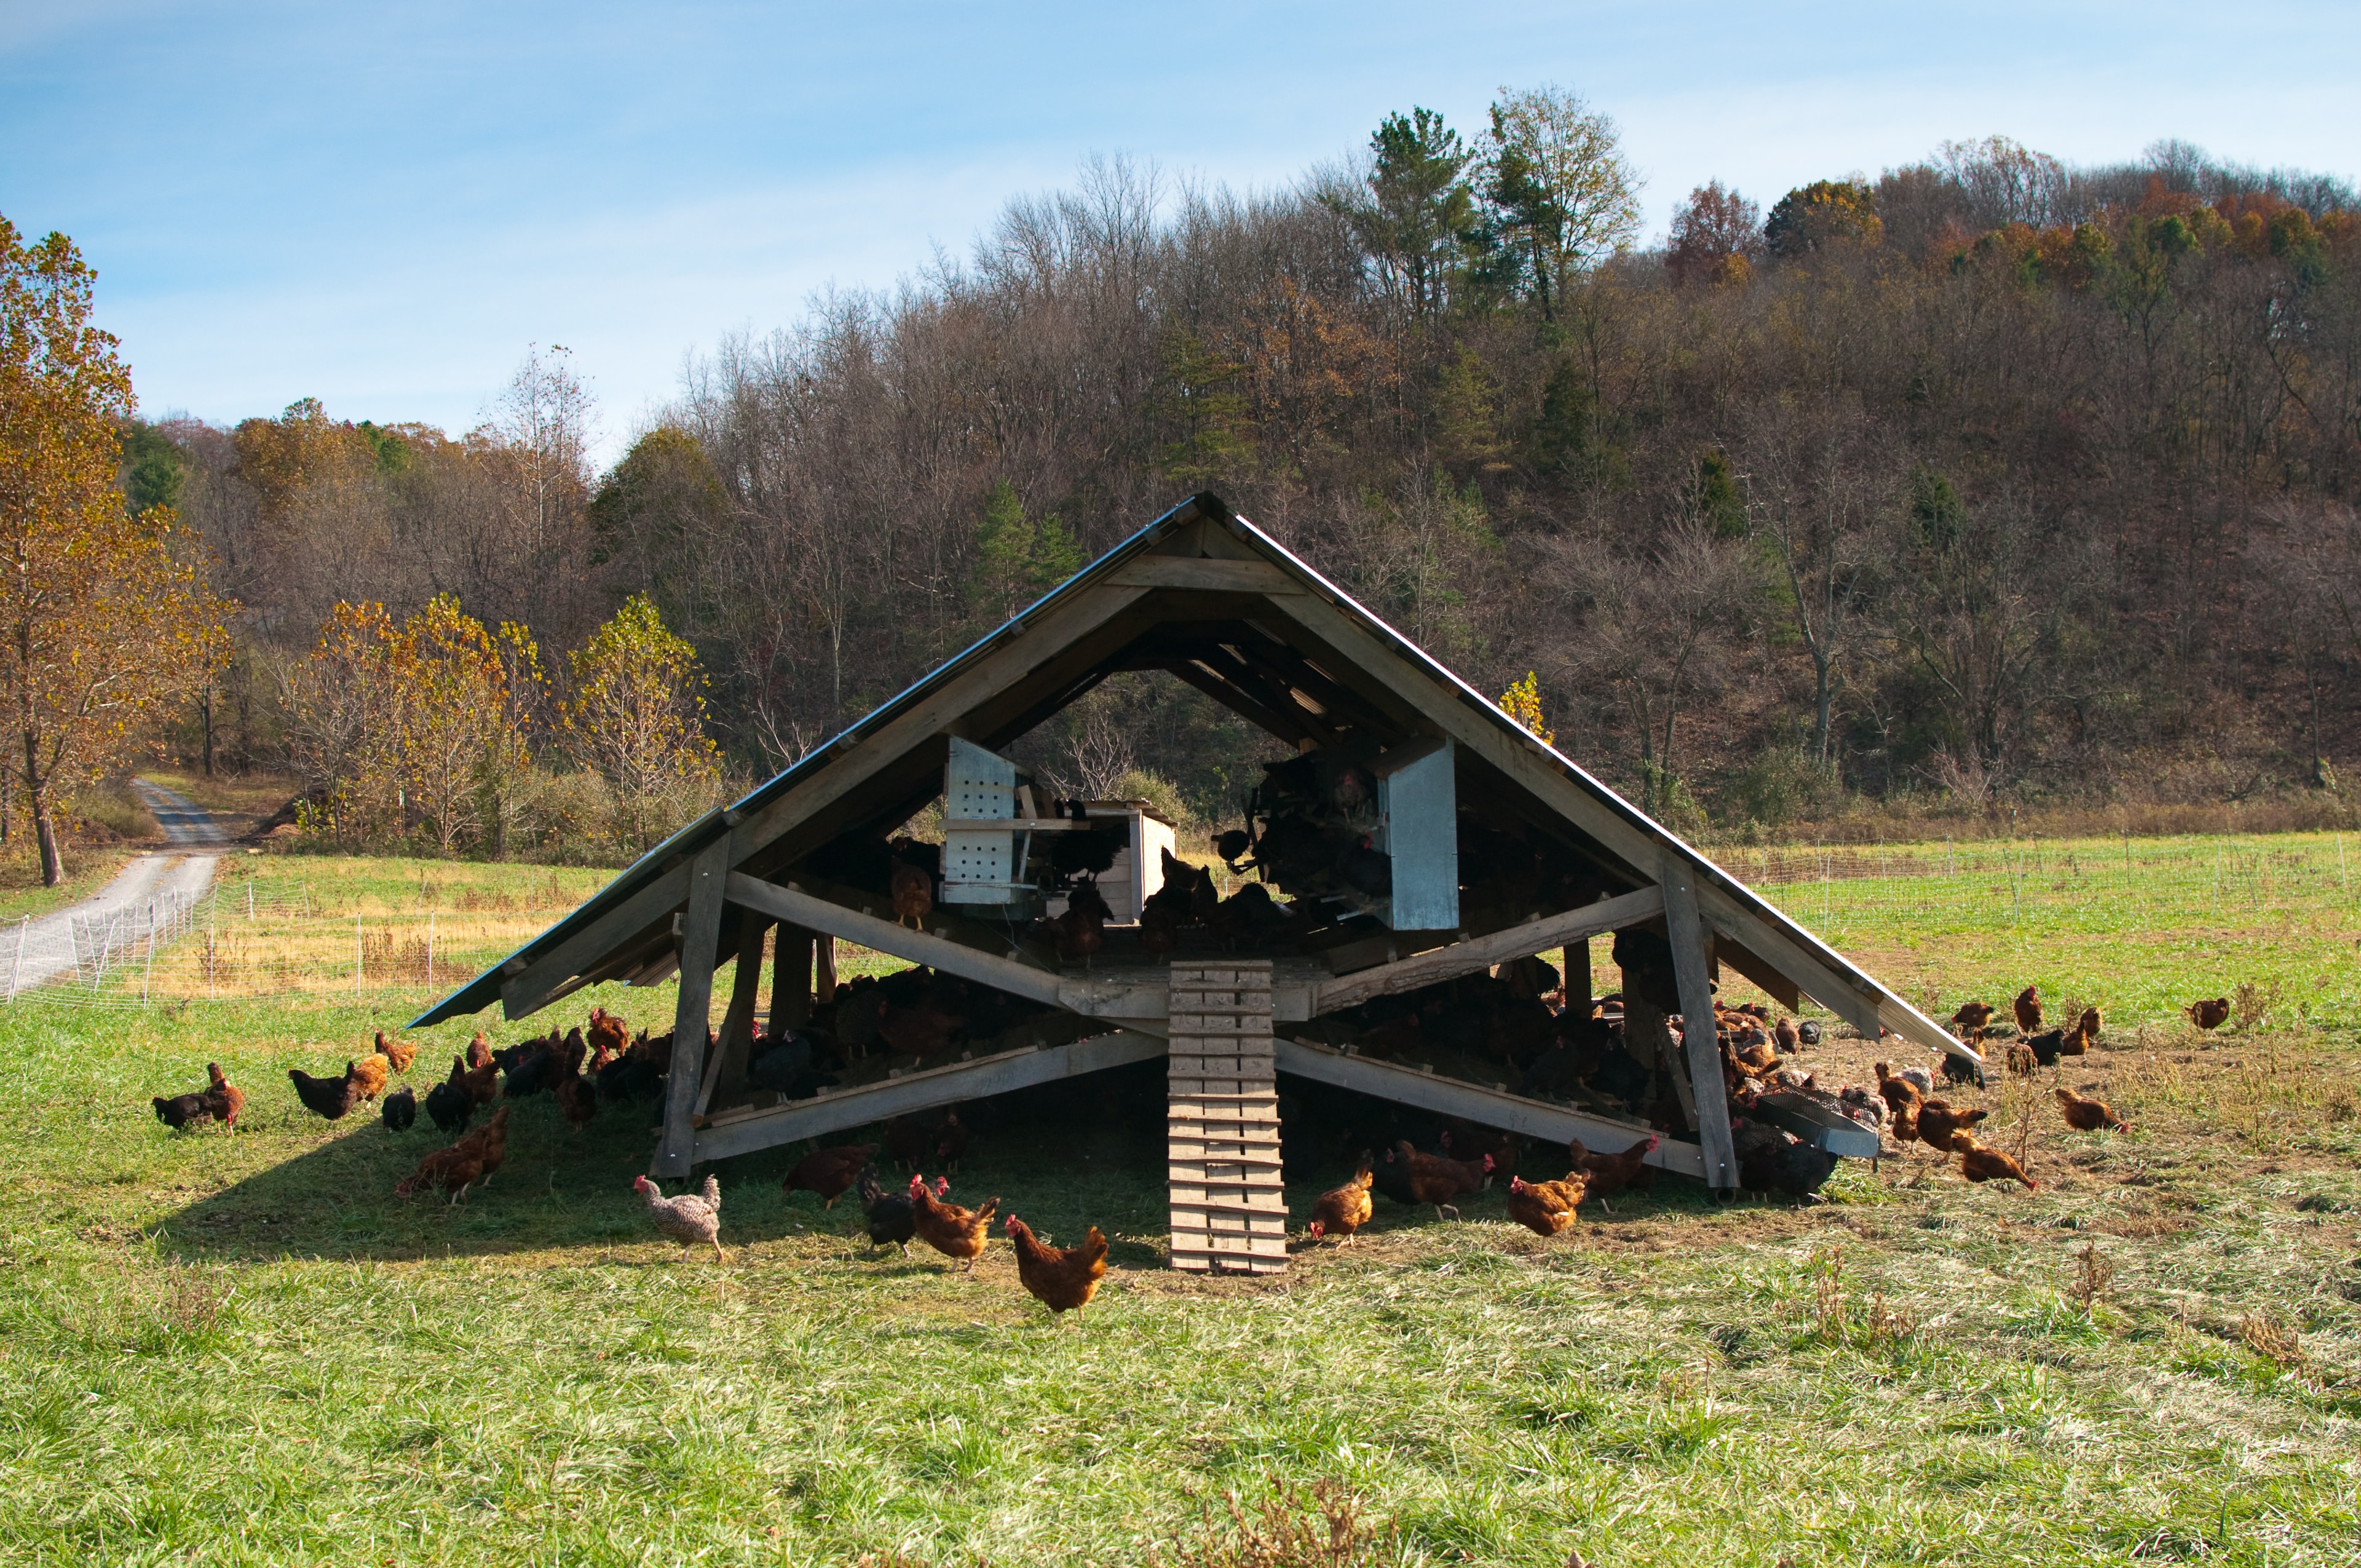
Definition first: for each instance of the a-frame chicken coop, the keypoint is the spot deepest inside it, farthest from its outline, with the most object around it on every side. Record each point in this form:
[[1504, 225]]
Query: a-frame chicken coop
[[1435, 838]]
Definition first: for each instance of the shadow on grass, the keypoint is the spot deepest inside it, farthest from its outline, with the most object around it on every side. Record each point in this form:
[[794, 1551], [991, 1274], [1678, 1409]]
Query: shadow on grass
[[560, 1192]]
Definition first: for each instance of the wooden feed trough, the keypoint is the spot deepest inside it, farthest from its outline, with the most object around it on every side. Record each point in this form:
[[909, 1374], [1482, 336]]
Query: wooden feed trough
[[1494, 846]]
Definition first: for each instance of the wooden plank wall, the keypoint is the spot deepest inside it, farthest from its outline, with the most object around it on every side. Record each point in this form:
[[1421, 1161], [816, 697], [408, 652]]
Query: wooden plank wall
[[1229, 1206]]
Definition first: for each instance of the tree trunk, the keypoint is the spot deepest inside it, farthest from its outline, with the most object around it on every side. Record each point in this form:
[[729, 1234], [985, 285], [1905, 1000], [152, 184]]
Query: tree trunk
[[53, 868], [207, 704]]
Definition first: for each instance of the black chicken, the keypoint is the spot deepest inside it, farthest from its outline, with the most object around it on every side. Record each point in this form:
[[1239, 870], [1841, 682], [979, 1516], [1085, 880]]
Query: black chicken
[[449, 1107], [329, 1097], [399, 1110], [180, 1110], [1084, 854], [890, 1216], [630, 1078], [530, 1075], [785, 1068]]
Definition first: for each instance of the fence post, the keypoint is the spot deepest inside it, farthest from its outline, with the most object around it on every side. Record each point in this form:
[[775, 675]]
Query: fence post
[[249, 900], [17, 969], [149, 973]]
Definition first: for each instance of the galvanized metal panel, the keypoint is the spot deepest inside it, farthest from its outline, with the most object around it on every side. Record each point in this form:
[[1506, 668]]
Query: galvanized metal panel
[[1417, 807], [979, 864]]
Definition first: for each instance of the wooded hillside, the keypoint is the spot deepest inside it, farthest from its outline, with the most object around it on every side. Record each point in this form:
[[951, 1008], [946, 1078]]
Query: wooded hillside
[[1990, 481]]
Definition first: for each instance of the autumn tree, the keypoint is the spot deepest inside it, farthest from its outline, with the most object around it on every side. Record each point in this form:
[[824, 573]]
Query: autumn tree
[[636, 715], [1824, 213], [1717, 236], [344, 709], [420, 725], [104, 620], [457, 740], [1562, 196]]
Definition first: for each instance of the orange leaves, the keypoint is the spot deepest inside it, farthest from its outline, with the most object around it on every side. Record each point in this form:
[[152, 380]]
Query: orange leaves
[[104, 619]]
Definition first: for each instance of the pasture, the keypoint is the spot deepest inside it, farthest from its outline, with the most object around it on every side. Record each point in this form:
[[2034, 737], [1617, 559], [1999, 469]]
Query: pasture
[[244, 1349]]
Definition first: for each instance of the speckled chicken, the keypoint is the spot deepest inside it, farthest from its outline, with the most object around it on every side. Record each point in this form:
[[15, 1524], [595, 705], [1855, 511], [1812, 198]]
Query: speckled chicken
[[692, 1220]]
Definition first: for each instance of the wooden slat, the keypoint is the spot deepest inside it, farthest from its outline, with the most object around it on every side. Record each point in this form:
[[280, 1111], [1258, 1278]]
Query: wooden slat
[[544, 980], [1486, 1107], [1483, 952], [1221, 1138], [793, 904], [998, 1074]]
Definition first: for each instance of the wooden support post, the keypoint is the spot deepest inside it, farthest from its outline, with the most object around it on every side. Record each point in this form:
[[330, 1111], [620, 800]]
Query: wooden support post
[[824, 987], [1685, 931], [1576, 972], [725, 1074], [1229, 1204], [790, 977], [700, 939], [1649, 1037]]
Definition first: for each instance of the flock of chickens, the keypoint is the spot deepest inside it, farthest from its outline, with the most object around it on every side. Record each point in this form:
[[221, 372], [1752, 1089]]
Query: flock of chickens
[[582, 1069]]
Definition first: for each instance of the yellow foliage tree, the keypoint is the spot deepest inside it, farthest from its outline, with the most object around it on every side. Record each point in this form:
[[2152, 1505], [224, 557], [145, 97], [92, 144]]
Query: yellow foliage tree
[[104, 616], [637, 715], [416, 724], [1522, 702]]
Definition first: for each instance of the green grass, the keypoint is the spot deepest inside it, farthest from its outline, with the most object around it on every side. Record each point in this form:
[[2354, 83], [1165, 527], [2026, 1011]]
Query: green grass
[[244, 1349]]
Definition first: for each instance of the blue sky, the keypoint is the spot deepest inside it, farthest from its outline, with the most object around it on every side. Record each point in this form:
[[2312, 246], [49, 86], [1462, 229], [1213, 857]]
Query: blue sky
[[382, 206]]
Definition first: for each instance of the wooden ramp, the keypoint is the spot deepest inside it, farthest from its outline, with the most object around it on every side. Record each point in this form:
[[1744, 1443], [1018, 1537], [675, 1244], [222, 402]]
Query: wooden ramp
[[1229, 1206]]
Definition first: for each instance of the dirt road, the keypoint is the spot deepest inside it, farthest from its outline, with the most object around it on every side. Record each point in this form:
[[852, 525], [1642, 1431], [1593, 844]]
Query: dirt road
[[151, 893]]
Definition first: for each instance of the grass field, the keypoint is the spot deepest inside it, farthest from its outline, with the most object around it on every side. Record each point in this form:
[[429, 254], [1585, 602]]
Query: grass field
[[244, 1349]]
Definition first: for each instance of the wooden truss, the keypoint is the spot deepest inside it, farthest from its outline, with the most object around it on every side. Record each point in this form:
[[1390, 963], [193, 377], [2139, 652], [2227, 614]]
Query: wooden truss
[[1206, 597]]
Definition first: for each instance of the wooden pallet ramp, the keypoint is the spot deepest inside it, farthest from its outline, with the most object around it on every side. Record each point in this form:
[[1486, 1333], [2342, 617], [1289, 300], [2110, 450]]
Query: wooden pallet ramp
[[1229, 1206]]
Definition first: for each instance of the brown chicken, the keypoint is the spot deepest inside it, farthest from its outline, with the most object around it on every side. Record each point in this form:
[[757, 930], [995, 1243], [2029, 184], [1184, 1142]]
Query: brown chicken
[[367, 1076], [488, 1146], [2086, 1115], [2027, 1008], [1061, 1278], [480, 1051], [224, 1100], [2209, 1014], [1973, 1015], [1902, 1102], [1341, 1211], [829, 1172], [920, 1031], [1608, 1174], [1940, 1125], [454, 1169], [949, 1229], [1081, 932], [482, 1081], [913, 892], [577, 1097], [1436, 1180], [2089, 1025], [1546, 1208], [1981, 1162], [398, 1053], [610, 1035], [1789, 1038]]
